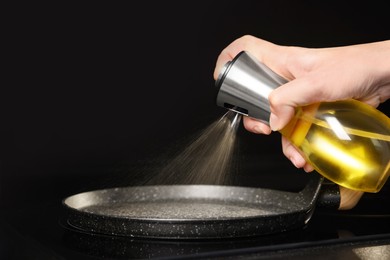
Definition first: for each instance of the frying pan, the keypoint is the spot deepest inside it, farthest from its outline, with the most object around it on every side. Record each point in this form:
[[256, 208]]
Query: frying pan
[[196, 211]]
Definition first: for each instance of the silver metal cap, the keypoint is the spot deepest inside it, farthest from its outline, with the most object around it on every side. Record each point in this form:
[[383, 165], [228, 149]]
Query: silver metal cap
[[244, 85]]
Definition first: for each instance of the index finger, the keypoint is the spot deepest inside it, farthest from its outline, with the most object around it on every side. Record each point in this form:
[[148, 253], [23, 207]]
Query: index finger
[[261, 49]]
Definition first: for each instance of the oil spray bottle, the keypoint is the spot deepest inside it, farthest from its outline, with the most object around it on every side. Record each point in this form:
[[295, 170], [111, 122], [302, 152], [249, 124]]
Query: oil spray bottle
[[348, 142]]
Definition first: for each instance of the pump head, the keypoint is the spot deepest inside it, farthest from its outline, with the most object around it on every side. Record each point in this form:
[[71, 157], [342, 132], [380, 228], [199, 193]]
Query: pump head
[[244, 85]]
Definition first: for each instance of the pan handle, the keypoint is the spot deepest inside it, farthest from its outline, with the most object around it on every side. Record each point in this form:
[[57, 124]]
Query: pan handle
[[349, 198], [333, 196]]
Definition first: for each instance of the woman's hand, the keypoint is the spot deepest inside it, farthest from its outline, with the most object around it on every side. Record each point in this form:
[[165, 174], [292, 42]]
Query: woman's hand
[[360, 72]]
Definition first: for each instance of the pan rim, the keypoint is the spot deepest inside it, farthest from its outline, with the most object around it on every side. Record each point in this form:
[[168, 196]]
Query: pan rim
[[241, 202], [296, 214]]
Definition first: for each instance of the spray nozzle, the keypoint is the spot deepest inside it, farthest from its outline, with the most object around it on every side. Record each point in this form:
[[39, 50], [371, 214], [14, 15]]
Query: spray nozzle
[[244, 85]]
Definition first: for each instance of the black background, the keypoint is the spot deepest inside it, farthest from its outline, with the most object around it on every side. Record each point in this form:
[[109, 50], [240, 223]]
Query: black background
[[94, 86], [97, 86], [99, 89]]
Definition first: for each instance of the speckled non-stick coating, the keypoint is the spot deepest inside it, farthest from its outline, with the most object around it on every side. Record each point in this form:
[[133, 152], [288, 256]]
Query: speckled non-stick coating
[[190, 211]]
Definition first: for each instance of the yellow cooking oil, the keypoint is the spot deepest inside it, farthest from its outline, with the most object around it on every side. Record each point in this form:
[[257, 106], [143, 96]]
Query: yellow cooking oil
[[347, 142]]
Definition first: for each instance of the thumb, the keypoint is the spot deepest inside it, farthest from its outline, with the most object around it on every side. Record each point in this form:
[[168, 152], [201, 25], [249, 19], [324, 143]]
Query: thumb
[[280, 116], [286, 98]]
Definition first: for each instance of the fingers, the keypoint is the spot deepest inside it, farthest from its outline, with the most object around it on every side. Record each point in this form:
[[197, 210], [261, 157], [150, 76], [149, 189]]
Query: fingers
[[223, 58], [308, 167], [255, 126], [293, 154], [289, 150], [255, 46], [296, 93]]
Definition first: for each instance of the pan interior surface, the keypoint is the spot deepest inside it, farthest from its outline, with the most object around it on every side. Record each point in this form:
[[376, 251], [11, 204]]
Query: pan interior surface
[[188, 211], [191, 209], [182, 202]]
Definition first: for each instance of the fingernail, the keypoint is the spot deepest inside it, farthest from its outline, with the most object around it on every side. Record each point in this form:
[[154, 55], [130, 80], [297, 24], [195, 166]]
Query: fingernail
[[257, 130], [293, 161], [274, 122], [308, 168]]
